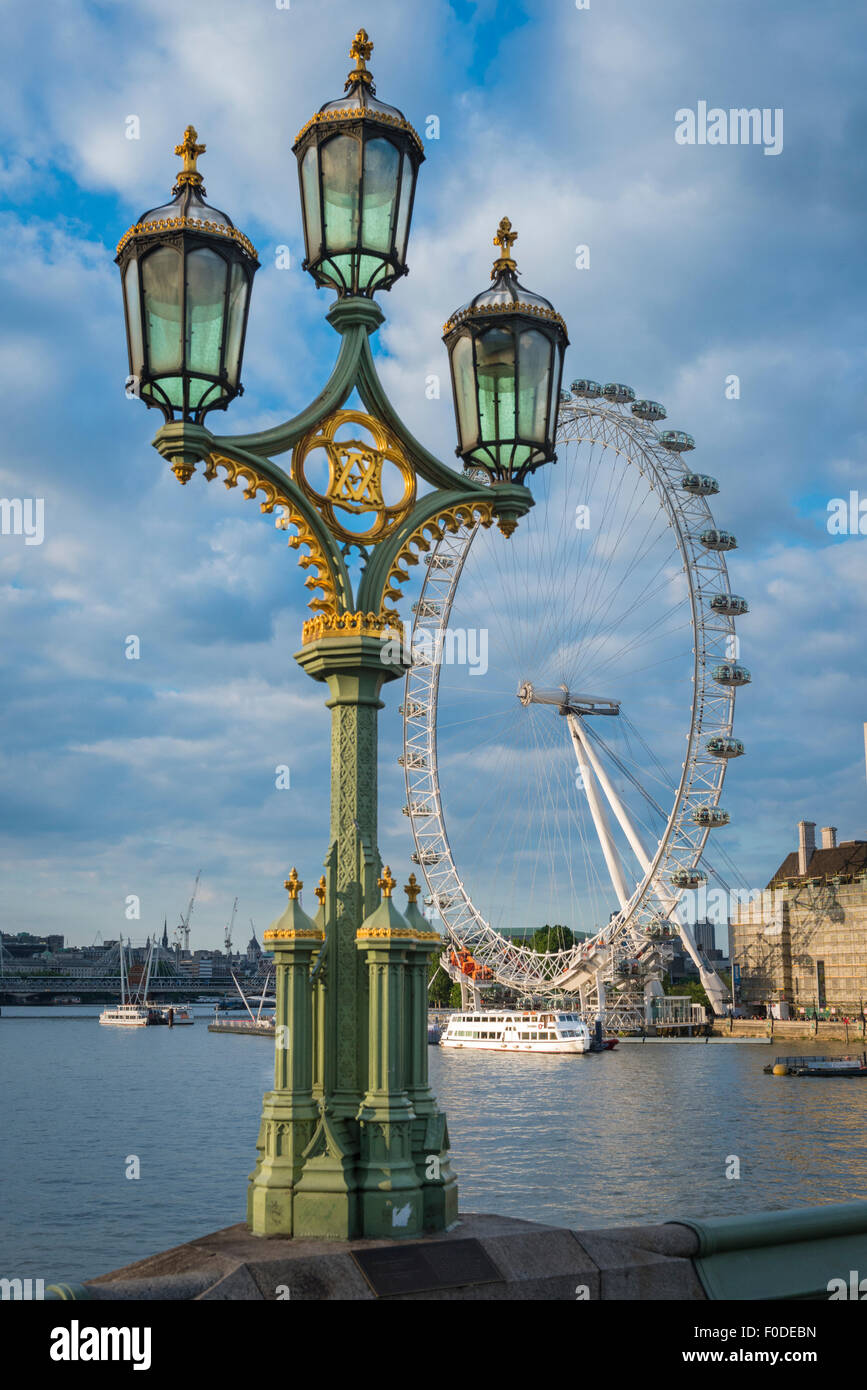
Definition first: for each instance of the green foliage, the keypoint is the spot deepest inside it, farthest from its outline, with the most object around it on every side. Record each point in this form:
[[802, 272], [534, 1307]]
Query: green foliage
[[694, 990], [556, 938], [455, 996]]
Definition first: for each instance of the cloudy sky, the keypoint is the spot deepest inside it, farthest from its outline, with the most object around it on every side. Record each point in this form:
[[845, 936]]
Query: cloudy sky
[[125, 777]]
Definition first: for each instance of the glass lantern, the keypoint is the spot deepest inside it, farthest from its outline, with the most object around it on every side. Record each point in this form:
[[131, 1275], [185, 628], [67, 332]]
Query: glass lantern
[[186, 273], [358, 160], [506, 350]]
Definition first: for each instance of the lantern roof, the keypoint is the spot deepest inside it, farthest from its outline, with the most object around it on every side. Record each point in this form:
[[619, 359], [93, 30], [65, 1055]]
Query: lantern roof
[[359, 99], [506, 295], [188, 209]]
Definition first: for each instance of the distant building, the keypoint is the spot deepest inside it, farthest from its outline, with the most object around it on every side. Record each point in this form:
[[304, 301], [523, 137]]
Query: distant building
[[704, 935], [804, 939], [254, 950]]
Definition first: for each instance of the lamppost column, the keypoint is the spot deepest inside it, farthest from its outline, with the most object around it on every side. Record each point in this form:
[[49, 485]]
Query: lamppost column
[[354, 665], [289, 1112], [430, 1137], [389, 1188]]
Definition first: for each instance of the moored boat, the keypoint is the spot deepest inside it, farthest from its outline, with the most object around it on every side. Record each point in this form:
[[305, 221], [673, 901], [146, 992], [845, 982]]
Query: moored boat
[[820, 1066]]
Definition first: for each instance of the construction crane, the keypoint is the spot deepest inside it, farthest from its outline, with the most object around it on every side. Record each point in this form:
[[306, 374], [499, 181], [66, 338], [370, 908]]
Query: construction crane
[[182, 930], [228, 935]]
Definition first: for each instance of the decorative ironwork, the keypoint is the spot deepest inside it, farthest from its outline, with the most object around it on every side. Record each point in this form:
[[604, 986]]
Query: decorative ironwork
[[450, 519], [355, 476], [349, 624]]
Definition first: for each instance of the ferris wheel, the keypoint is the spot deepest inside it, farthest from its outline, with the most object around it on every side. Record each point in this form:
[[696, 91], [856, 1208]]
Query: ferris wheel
[[568, 716]]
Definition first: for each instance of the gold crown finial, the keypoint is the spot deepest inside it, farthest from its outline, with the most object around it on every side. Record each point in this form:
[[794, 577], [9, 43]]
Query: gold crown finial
[[190, 152], [386, 883], [293, 884], [319, 890], [505, 239], [360, 50], [413, 888]]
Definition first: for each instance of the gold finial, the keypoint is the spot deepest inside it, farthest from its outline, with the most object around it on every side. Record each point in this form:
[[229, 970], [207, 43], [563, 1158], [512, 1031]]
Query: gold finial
[[505, 239], [360, 50], [190, 152], [319, 890], [386, 883], [294, 884], [412, 889]]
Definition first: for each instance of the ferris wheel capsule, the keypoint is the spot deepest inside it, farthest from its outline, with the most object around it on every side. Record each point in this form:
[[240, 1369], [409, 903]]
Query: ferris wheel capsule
[[586, 388], [699, 484], [565, 398], [677, 440], [730, 605], [688, 878], [721, 746], [712, 539], [649, 410], [731, 673], [618, 393], [711, 816]]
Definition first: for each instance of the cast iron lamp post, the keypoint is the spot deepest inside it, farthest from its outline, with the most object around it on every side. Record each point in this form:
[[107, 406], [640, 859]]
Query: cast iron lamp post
[[352, 1142]]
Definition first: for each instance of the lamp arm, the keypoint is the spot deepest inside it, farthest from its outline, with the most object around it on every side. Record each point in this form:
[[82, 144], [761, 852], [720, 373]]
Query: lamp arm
[[432, 515], [426, 464], [336, 390]]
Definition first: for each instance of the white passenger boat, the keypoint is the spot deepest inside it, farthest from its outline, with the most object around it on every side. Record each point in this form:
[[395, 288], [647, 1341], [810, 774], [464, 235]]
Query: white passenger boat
[[130, 1012], [509, 1030], [126, 1016]]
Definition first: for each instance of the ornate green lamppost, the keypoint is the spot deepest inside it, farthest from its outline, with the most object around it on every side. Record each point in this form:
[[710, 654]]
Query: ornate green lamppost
[[352, 1142]]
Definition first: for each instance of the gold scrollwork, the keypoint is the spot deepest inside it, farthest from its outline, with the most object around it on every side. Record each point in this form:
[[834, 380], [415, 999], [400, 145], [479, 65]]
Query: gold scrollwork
[[322, 576], [355, 469], [427, 534]]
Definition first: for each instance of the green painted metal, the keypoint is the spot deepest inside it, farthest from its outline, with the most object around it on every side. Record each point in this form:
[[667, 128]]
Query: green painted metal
[[513, 500], [289, 1112], [793, 1254]]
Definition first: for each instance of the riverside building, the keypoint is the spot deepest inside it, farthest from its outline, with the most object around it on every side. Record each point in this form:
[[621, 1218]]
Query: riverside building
[[804, 939]]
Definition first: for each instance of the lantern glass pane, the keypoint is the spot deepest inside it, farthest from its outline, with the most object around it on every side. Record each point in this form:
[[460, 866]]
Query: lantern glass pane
[[238, 292], [534, 384], [495, 374], [381, 165], [161, 285], [465, 393], [312, 215], [206, 289], [341, 171], [133, 318], [402, 231], [554, 404]]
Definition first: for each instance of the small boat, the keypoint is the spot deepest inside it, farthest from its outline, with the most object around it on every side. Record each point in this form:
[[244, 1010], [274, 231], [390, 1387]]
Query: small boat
[[819, 1066], [509, 1030], [174, 1015], [129, 1013], [434, 1033]]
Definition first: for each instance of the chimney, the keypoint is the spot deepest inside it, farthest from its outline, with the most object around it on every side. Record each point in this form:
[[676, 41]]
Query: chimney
[[806, 843], [829, 837]]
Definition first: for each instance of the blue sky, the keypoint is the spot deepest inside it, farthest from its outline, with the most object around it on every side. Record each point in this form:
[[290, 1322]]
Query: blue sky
[[123, 777]]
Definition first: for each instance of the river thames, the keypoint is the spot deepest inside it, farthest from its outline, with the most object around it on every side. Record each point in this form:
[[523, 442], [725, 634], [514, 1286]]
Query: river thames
[[643, 1134]]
